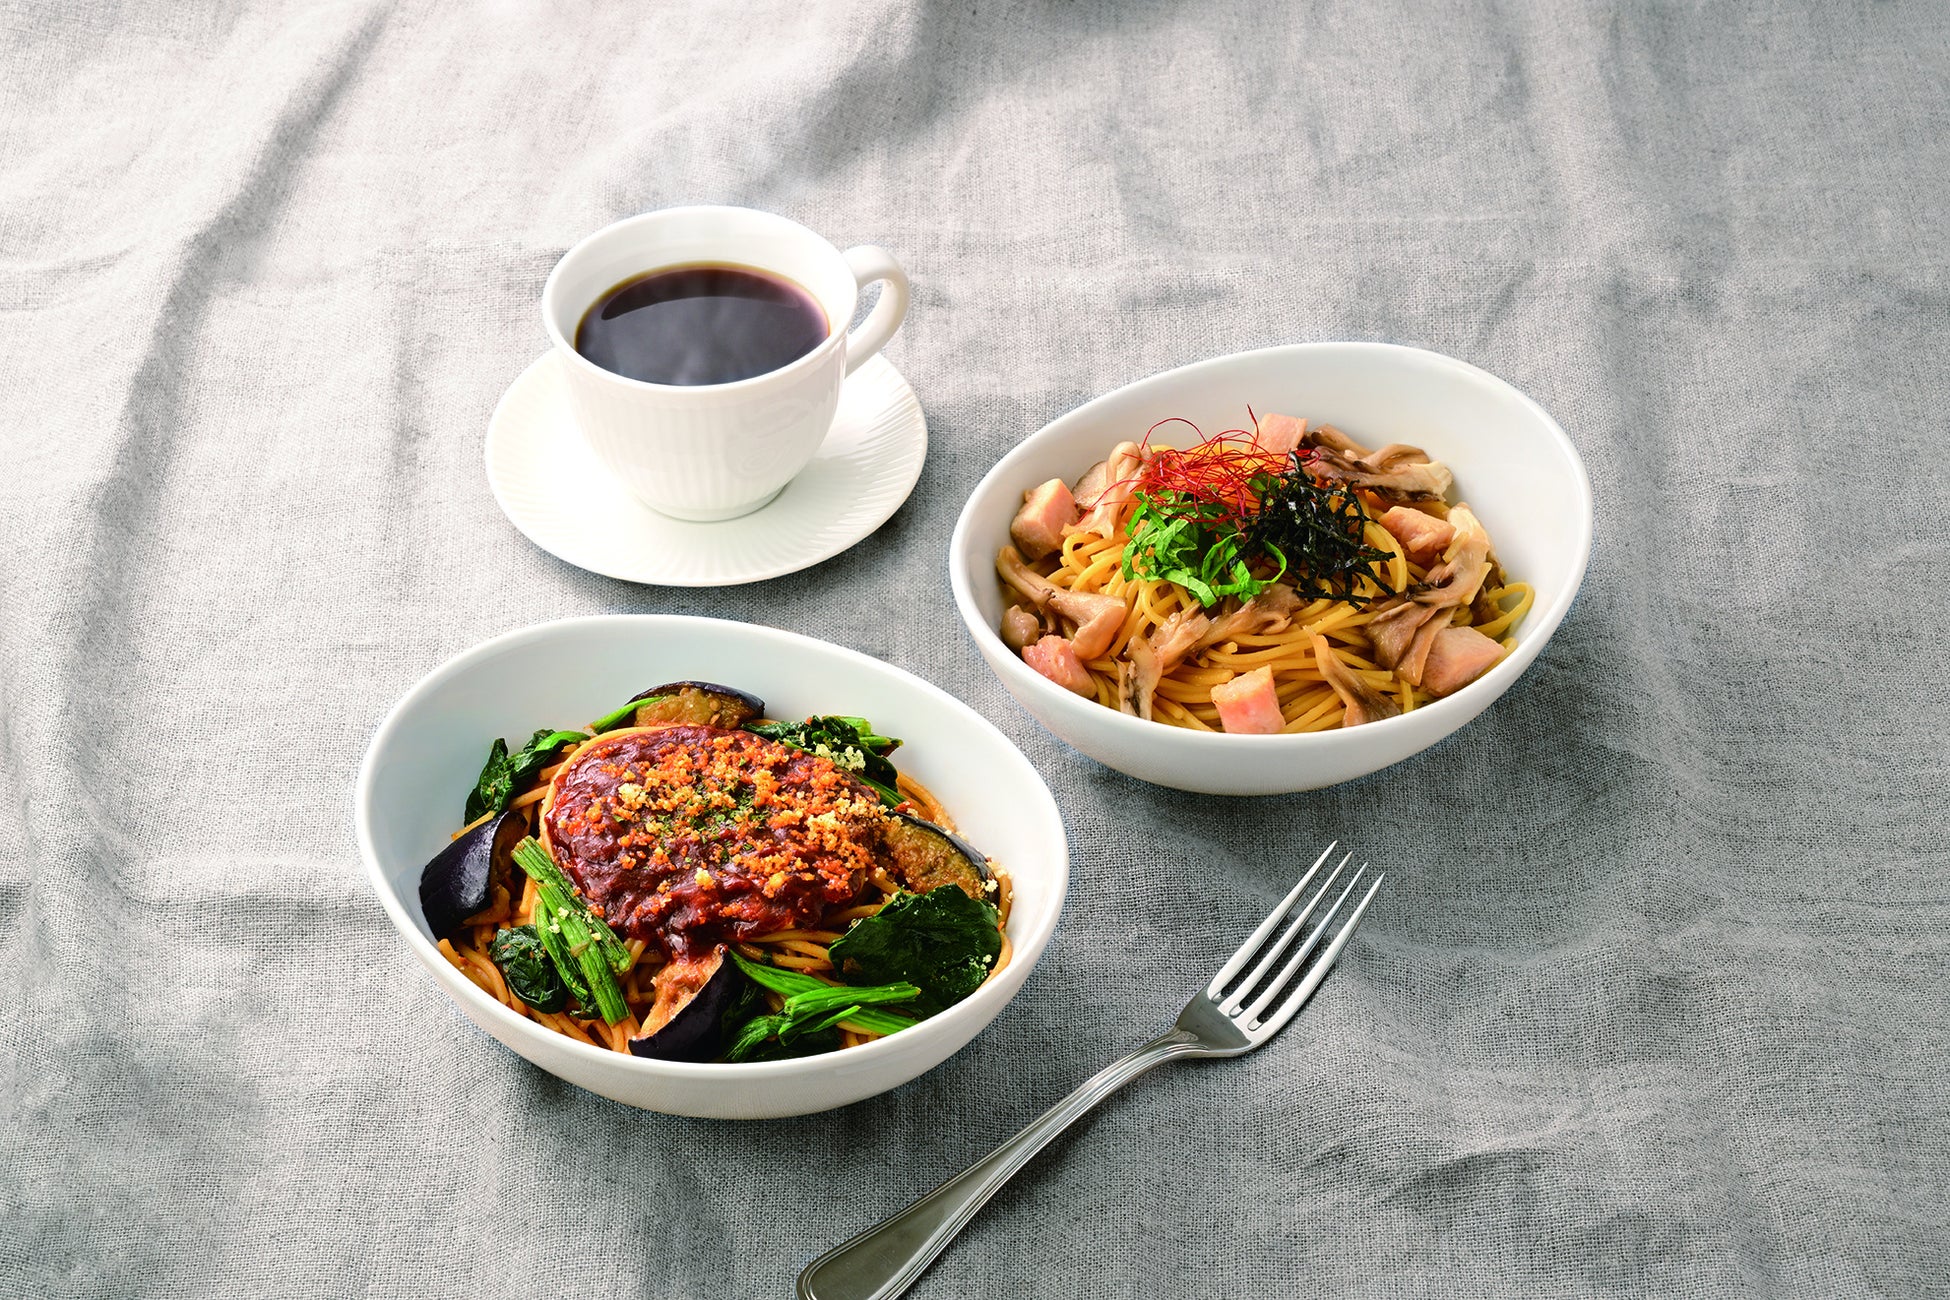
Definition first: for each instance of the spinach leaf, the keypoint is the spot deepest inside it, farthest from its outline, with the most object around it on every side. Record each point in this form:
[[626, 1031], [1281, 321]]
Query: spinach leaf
[[849, 742], [774, 1038], [504, 772], [757, 1032], [813, 1012], [525, 964], [943, 940], [492, 784]]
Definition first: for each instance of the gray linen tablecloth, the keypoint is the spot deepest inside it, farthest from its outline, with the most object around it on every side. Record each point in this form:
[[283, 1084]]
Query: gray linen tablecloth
[[1655, 1003]]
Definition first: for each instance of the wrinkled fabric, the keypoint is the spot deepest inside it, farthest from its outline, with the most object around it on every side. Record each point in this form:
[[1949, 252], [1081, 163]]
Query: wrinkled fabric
[[1653, 1002]]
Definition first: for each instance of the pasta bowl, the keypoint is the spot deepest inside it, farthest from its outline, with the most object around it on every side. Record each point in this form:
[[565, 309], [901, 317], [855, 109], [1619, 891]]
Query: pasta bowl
[[1512, 464], [427, 753]]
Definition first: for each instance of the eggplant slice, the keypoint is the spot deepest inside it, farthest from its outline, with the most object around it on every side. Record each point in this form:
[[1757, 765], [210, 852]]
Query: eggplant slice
[[698, 704], [686, 1022], [923, 856], [459, 881]]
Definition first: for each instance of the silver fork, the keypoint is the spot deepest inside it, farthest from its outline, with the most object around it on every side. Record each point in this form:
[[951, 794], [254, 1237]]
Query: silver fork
[[1251, 999]]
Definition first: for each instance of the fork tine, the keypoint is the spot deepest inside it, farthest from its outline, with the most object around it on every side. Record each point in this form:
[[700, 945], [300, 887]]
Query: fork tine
[[1276, 987], [1298, 997], [1237, 962], [1244, 987]]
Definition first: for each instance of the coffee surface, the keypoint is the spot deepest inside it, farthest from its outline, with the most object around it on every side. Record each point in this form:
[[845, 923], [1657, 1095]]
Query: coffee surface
[[705, 324]]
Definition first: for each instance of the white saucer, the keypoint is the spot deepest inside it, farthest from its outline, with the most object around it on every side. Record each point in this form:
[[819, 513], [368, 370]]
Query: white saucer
[[553, 489]]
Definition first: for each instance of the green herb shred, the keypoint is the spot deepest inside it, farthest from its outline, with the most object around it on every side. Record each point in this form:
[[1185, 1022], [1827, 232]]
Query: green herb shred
[[1196, 544]]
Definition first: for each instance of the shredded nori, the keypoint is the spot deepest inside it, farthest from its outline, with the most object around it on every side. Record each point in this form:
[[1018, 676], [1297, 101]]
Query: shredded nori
[[1319, 532]]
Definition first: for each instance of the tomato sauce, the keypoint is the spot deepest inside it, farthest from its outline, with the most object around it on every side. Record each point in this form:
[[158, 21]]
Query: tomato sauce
[[690, 836]]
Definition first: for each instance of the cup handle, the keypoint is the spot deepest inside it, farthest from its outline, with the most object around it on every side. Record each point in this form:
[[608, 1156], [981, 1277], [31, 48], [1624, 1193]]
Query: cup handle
[[868, 262]]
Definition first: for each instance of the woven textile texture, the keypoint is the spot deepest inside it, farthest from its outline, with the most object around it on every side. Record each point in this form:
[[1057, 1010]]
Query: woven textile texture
[[1654, 1002]]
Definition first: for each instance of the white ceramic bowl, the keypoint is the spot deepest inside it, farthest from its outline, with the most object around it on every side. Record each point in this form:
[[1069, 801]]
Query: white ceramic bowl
[[1513, 465], [427, 753]]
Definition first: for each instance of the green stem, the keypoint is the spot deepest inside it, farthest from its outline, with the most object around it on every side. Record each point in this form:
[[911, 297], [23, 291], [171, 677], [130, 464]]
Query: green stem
[[533, 859], [790, 983]]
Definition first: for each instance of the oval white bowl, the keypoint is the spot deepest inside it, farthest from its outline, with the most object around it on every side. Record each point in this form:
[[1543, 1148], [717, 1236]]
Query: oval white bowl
[[427, 753], [1513, 465]]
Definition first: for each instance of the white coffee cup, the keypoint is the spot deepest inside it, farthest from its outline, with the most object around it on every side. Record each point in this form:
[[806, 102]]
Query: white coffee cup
[[717, 451]]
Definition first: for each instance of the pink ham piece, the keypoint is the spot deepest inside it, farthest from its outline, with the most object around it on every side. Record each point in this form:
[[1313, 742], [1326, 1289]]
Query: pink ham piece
[[1055, 658], [1046, 511], [1457, 657], [1248, 705], [1098, 618], [1423, 536], [1279, 434]]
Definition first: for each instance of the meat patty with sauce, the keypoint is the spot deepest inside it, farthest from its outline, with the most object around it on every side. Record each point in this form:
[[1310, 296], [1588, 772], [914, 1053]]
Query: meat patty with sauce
[[689, 836]]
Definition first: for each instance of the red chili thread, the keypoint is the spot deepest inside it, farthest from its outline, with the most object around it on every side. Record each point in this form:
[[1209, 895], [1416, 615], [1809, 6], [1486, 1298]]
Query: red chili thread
[[1217, 471]]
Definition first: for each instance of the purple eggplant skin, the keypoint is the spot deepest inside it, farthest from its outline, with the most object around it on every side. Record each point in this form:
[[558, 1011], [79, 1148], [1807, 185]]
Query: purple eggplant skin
[[695, 1031], [924, 856], [703, 704], [459, 881]]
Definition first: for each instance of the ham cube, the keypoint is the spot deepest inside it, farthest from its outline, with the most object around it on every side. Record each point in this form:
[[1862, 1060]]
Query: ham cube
[[1248, 705], [1457, 657], [1046, 511], [1279, 434], [1423, 536], [1055, 658]]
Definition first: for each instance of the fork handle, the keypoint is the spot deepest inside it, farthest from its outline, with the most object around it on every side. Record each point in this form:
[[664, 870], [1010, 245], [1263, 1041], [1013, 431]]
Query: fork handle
[[885, 1260]]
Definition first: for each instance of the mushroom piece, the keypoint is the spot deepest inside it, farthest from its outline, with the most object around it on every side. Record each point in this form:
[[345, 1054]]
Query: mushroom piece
[[1098, 618], [1020, 627], [1404, 627], [1015, 571], [1107, 502], [1364, 703], [1397, 472]]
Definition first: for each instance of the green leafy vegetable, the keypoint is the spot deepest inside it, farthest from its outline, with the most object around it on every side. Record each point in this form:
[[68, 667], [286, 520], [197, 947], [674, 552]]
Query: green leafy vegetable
[[757, 1032], [1196, 544], [504, 771], [849, 742], [587, 954], [527, 967], [943, 941], [1319, 531]]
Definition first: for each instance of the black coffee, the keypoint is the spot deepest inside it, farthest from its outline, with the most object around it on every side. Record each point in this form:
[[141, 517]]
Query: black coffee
[[704, 324]]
